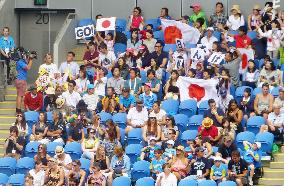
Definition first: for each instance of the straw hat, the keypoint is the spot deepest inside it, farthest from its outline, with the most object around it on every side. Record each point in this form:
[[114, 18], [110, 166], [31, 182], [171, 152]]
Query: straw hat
[[207, 122], [180, 147], [256, 7], [60, 102], [236, 7], [50, 91]]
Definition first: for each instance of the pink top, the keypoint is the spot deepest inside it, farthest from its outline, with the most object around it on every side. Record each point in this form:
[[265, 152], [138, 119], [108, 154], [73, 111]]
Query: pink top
[[136, 21]]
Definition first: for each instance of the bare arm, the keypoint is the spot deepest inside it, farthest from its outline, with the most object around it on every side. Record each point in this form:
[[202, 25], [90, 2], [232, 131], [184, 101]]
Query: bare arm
[[255, 104]]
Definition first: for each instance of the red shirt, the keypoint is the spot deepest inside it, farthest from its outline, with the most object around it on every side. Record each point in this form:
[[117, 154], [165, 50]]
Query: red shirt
[[242, 41], [212, 131], [33, 103], [136, 21], [89, 56]]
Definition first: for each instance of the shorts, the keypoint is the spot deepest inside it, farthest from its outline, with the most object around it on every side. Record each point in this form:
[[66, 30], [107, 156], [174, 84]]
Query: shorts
[[21, 86], [244, 180]]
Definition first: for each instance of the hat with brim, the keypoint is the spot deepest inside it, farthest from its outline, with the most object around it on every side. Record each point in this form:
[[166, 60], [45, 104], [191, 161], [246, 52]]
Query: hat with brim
[[148, 85], [217, 158], [50, 91], [181, 148], [90, 86], [207, 122], [59, 150], [170, 142], [237, 8], [60, 102], [195, 5], [256, 7], [258, 144]]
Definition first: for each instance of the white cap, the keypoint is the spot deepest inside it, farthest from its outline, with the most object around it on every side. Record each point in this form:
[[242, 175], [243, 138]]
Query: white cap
[[210, 28], [258, 144], [217, 158], [152, 138], [171, 142]]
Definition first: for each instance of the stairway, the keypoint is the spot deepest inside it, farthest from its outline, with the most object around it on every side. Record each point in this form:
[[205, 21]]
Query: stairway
[[7, 115], [274, 172]]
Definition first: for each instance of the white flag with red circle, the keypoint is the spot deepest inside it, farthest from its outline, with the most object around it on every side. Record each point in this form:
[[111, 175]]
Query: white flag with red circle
[[197, 89], [104, 24]]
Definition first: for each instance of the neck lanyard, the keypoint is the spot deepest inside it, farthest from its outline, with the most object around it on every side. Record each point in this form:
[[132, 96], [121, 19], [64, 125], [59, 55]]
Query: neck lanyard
[[134, 84]]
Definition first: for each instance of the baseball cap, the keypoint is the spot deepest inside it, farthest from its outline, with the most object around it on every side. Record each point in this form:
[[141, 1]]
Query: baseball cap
[[90, 86], [258, 144], [130, 50], [171, 142], [141, 47], [217, 158], [148, 85], [125, 89], [210, 28], [152, 138], [139, 101], [195, 5]]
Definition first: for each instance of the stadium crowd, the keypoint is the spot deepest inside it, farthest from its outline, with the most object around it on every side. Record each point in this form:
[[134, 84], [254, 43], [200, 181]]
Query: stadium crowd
[[117, 103]]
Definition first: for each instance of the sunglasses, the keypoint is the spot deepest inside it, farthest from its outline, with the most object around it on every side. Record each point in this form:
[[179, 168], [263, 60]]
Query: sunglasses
[[168, 119], [19, 115], [92, 132], [39, 147], [152, 118]]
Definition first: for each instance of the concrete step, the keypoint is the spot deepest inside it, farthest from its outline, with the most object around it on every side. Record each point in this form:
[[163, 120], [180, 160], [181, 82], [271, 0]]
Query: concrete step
[[8, 119], [277, 165], [271, 181], [8, 105], [11, 90], [279, 157], [7, 111], [273, 173], [10, 97]]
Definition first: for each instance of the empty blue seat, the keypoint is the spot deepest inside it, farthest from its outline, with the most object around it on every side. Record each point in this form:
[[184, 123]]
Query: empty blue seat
[[3, 179], [133, 152], [31, 118], [240, 92], [159, 35], [85, 22], [203, 105], [104, 117], [8, 165], [244, 136], [74, 150], [146, 181], [121, 181], [24, 165], [127, 34], [49, 118], [260, 63], [31, 149], [188, 135], [252, 34], [122, 136], [51, 146], [187, 182], [227, 183], [17, 180], [120, 119], [275, 91], [256, 91], [140, 169], [120, 25], [195, 121], [276, 62], [217, 34], [143, 75], [266, 139], [85, 165], [134, 136], [188, 107], [109, 74], [170, 106], [167, 47], [153, 22], [254, 123], [181, 121], [207, 183], [119, 48]]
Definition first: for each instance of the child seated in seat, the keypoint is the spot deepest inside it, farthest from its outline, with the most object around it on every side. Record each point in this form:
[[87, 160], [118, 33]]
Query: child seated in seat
[[147, 153], [189, 150], [252, 156], [218, 170], [157, 163], [170, 151]]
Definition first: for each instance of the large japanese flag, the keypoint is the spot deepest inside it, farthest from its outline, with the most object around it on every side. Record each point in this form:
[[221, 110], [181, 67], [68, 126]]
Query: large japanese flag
[[104, 24], [189, 33], [198, 89]]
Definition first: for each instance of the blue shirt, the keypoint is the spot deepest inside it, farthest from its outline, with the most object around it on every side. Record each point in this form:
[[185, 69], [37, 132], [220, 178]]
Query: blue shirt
[[218, 171], [21, 68], [156, 165], [148, 100], [124, 164], [7, 44], [126, 102], [169, 153], [248, 157]]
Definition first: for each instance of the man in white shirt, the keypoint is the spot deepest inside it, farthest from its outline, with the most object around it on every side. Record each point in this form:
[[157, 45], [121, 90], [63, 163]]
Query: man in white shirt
[[69, 67], [209, 39], [91, 98], [38, 174], [106, 58], [71, 97], [224, 99], [101, 81], [137, 117]]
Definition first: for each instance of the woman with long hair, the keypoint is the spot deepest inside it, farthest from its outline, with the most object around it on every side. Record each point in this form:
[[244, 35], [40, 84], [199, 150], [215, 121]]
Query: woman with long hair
[[156, 68], [179, 163], [96, 178], [251, 75], [254, 19], [96, 125], [21, 124], [150, 41], [42, 156], [90, 144], [171, 89], [205, 143], [82, 82], [169, 125], [143, 57], [235, 116], [54, 175], [76, 174], [136, 21], [166, 178], [40, 129], [102, 158], [123, 68], [134, 41], [227, 130], [224, 80], [152, 129], [269, 74]]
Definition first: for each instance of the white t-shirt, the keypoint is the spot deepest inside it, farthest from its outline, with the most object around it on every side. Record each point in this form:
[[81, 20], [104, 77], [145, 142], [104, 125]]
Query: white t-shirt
[[159, 115], [67, 160], [171, 180], [38, 177], [106, 59], [100, 87], [208, 42], [50, 68], [234, 24], [71, 99], [82, 84], [91, 100], [137, 118]]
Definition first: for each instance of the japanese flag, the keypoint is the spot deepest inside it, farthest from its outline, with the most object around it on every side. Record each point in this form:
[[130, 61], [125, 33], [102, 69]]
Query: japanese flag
[[105, 24], [197, 89]]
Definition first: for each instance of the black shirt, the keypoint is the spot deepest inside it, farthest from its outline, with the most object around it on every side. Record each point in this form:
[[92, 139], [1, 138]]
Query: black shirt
[[226, 151], [207, 113], [159, 58], [75, 132], [200, 164], [239, 167], [58, 126], [11, 146]]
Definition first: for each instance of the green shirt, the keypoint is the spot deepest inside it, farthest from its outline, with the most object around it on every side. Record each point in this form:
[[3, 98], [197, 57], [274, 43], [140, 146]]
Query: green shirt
[[281, 55], [194, 17]]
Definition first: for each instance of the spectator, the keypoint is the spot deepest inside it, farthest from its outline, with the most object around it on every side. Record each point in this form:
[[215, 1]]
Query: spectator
[[246, 104], [167, 127], [82, 82], [233, 66], [42, 156], [237, 169], [218, 18], [205, 143], [116, 81], [179, 163], [33, 100], [159, 113], [126, 100], [242, 40], [150, 42], [55, 132], [148, 97], [215, 113], [69, 68], [21, 124], [164, 14], [71, 97], [48, 65], [159, 55], [209, 39], [49, 101], [224, 80], [40, 129], [235, 116], [37, 174], [226, 148], [178, 60], [137, 116], [207, 129], [91, 59], [134, 83], [91, 98], [157, 163], [236, 19], [263, 101], [199, 167], [103, 159], [13, 146], [134, 41], [120, 165], [170, 151], [90, 144], [152, 129], [7, 45], [110, 102], [224, 99], [227, 130], [147, 153], [280, 99], [281, 18], [96, 177], [101, 81], [108, 40], [269, 74], [155, 83], [130, 57], [123, 68], [268, 15], [111, 140], [63, 160], [96, 125], [166, 178], [54, 175], [251, 75], [106, 58], [28, 180], [218, 171], [76, 131], [171, 135], [254, 19], [136, 21], [76, 173], [143, 57], [197, 13], [154, 66]]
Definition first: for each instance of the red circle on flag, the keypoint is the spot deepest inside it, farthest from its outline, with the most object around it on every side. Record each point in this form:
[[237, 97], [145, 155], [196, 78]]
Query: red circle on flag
[[106, 23], [196, 91]]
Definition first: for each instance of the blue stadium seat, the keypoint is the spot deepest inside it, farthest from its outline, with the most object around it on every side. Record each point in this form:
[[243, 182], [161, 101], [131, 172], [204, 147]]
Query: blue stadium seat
[[266, 139], [190, 45], [85, 165], [134, 136], [104, 117], [127, 34], [74, 150], [120, 25], [227, 183], [215, 149], [276, 62], [119, 48], [167, 47], [217, 34], [109, 74], [31, 149], [8, 165], [51, 146], [147, 181], [203, 106], [181, 121], [170, 106], [195, 121], [143, 75], [188, 135], [85, 22], [244, 136], [254, 123], [240, 92], [260, 63], [140, 169], [49, 118], [252, 35], [153, 22], [17, 180], [256, 91], [24, 165], [188, 107], [207, 183], [187, 182], [133, 152], [121, 181], [275, 92], [233, 32], [3, 179], [232, 89], [122, 136], [31, 118], [159, 35], [120, 119]]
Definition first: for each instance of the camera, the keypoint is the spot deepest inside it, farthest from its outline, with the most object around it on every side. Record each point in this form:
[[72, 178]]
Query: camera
[[21, 53]]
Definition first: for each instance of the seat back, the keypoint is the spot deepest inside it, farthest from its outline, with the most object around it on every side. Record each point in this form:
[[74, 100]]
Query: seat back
[[104, 117], [24, 165], [51, 146], [187, 182], [146, 181], [240, 92], [195, 121], [120, 25], [188, 107], [120, 119], [170, 106], [140, 169], [181, 121], [31, 149], [134, 136], [85, 165], [207, 183], [254, 123], [8, 165], [244, 136], [3, 179], [188, 135], [121, 181], [17, 180], [74, 150], [227, 183], [202, 107], [133, 152]]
